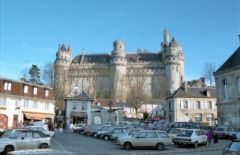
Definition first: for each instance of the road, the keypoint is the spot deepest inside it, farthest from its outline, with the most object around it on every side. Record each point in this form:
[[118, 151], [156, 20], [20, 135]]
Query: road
[[84, 145]]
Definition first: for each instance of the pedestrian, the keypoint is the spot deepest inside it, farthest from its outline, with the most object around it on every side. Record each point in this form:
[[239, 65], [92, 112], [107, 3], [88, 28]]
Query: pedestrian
[[209, 137], [215, 138]]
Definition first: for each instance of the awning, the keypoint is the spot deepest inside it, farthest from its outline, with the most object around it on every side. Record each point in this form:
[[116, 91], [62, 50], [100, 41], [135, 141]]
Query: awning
[[78, 114], [37, 116]]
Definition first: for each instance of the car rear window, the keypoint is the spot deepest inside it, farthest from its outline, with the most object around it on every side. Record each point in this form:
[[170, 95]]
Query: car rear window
[[186, 133]]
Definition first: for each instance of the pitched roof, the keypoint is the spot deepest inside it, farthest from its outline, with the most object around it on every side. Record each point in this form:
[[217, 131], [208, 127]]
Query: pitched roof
[[205, 92], [78, 95], [106, 58], [232, 62]]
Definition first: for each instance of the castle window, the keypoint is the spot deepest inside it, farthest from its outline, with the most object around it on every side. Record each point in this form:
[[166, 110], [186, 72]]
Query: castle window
[[185, 104], [25, 105], [209, 104], [198, 105], [35, 90], [25, 89], [198, 117], [46, 93], [7, 86], [225, 88], [177, 68], [3, 101]]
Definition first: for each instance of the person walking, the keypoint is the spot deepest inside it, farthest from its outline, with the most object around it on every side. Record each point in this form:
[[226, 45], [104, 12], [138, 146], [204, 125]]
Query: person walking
[[209, 137]]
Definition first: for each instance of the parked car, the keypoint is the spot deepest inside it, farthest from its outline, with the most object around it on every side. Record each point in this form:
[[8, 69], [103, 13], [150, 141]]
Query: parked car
[[191, 137], [40, 152], [78, 128], [173, 132], [103, 130], [19, 139], [222, 132], [90, 130], [130, 133], [232, 149], [113, 134], [147, 138], [42, 129]]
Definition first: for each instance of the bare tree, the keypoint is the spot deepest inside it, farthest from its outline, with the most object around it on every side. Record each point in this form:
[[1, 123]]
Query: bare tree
[[137, 96], [208, 71], [48, 74]]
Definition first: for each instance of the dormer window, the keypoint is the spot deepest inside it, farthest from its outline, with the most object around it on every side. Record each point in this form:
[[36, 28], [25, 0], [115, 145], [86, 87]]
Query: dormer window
[[7, 86], [25, 89], [46, 93], [34, 90]]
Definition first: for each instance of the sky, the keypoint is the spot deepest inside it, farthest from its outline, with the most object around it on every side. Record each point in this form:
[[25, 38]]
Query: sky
[[31, 30]]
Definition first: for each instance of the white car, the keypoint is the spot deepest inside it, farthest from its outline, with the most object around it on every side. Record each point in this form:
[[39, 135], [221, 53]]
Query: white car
[[42, 129], [22, 139], [146, 138], [191, 137]]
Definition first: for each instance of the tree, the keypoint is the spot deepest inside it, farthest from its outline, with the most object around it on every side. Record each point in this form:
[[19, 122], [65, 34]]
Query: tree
[[48, 74], [137, 95], [34, 73], [208, 71]]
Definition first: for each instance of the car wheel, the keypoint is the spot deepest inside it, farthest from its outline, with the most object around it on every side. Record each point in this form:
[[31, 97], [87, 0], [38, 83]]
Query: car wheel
[[128, 146], [195, 144], [160, 146], [7, 149], [43, 146], [95, 135], [106, 138]]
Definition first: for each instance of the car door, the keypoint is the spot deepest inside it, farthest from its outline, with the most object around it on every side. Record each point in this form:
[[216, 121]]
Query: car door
[[25, 141], [164, 138], [152, 139], [140, 139]]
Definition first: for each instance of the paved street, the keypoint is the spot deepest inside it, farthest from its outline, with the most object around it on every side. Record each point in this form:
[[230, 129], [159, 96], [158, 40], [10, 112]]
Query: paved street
[[83, 145]]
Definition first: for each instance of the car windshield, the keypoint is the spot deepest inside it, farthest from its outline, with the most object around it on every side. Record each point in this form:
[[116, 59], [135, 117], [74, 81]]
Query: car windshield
[[235, 147], [6, 134], [173, 131], [219, 129], [186, 133]]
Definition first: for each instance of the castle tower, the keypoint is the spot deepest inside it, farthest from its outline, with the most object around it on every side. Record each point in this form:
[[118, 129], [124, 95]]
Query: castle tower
[[61, 67], [174, 63], [118, 66]]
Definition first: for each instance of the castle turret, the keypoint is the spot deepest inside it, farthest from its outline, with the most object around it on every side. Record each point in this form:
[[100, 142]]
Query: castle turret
[[174, 63], [118, 67], [61, 67]]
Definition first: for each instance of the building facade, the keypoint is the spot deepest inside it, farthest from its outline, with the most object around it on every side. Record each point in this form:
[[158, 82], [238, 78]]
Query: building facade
[[21, 102], [78, 107], [228, 91], [192, 104], [116, 75]]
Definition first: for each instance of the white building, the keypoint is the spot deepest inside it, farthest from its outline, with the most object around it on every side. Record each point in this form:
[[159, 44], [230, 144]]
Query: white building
[[228, 91], [21, 102], [192, 104], [78, 107]]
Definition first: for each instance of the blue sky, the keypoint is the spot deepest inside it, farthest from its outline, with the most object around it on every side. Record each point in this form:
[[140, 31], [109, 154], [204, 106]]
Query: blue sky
[[31, 30]]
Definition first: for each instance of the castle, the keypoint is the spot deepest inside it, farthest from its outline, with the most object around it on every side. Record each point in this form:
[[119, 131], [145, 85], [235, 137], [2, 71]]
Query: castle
[[116, 75]]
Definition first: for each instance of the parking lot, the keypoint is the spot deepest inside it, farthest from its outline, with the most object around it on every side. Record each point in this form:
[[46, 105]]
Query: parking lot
[[85, 145]]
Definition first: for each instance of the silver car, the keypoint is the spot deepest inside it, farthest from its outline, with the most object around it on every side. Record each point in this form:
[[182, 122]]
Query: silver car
[[146, 138], [22, 139]]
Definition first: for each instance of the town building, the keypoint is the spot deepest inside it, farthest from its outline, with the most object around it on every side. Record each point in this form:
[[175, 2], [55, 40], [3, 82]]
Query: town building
[[117, 75], [78, 107], [228, 91], [22, 102], [196, 104]]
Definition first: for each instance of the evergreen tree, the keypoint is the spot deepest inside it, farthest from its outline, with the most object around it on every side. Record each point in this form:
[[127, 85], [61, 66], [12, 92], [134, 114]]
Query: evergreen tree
[[34, 73]]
